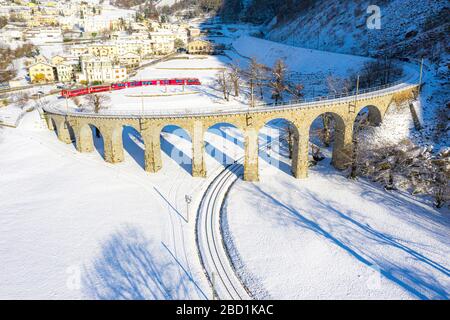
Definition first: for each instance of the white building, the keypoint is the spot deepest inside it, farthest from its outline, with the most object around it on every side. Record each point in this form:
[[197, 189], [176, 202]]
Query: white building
[[10, 33], [163, 41], [93, 24], [43, 35], [100, 69], [65, 71]]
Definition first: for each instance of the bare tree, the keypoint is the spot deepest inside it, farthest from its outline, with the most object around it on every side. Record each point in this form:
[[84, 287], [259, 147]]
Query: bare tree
[[22, 99], [8, 70], [234, 74], [338, 85], [296, 90], [277, 83], [221, 81], [361, 123], [257, 75], [97, 101], [335, 86]]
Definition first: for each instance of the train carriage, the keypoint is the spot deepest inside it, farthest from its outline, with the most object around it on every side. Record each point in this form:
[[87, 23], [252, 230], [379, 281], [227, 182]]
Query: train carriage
[[130, 84]]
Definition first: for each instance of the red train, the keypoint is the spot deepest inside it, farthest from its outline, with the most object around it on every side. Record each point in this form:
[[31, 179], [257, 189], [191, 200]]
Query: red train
[[130, 84]]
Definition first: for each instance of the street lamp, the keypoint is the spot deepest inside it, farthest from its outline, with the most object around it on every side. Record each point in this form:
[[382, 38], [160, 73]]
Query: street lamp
[[188, 200]]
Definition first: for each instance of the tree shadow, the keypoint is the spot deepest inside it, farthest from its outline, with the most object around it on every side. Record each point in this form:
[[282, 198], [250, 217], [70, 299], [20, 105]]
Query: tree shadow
[[225, 131], [354, 241], [273, 153], [132, 267]]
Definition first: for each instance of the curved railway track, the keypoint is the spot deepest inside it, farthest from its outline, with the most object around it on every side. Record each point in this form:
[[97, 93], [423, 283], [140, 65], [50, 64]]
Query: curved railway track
[[216, 262]]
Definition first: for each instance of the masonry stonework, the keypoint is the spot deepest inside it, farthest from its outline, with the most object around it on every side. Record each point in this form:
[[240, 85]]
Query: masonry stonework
[[78, 127]]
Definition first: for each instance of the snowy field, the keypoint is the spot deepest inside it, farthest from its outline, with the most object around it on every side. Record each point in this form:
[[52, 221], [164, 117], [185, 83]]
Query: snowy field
[[160, 98], [328, 237], [75, 227], [298, 59]]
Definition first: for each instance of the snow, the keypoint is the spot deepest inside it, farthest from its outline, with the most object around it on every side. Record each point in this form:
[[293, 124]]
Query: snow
[[56, 225], [298, 59], [332, 238], [313, 66], [75, 227], [162, 3]]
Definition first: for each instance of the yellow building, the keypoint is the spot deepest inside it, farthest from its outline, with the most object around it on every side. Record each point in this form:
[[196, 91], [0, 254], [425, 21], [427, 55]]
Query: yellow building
[[131, 60], [38, 20], [42, 72], [40, 59], [200, 47], [57, 60], [103, 50]]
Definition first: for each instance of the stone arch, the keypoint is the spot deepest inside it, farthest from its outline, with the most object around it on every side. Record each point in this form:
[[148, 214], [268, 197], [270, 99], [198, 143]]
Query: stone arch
[[224, 142], [112, 135], [174, 141], [340, 144], [98, 141], [134, 144], [65, 131], [373, 113], [278, 140], [84, 138]]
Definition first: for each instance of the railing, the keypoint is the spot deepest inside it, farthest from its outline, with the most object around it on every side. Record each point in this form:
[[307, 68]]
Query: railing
[[411, 81]]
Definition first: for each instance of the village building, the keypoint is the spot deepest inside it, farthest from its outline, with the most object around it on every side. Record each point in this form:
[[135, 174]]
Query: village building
[[42, 72], [99, 70], [200, 47], [130, 60], [103, 50], [65, 72], [39, 36]]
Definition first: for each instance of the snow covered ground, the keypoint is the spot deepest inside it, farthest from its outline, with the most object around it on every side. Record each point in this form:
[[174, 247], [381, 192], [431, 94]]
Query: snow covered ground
[[312, 65], [73, 226], [330, 238], [11, 115], [298, 59]]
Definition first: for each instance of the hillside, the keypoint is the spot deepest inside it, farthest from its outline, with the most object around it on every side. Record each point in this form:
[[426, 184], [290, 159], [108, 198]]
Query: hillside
[[407, 27]]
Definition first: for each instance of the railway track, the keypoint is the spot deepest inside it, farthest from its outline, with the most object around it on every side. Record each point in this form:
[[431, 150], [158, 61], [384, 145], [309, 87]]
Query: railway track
[[216, 262]]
